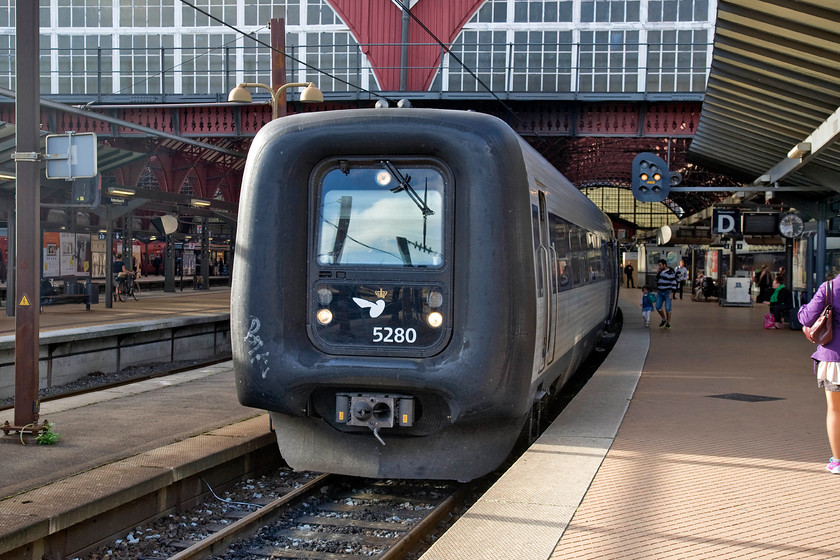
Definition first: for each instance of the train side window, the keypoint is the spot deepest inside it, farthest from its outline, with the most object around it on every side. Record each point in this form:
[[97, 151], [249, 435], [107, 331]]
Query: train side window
[[578, 277], [574, 240], [559, 233]]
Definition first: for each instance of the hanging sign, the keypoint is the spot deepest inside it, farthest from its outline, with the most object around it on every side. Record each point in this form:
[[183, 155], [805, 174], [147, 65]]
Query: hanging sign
[[726, 222]]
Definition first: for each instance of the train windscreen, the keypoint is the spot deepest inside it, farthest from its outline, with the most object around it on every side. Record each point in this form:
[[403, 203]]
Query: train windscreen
[[384, 213]]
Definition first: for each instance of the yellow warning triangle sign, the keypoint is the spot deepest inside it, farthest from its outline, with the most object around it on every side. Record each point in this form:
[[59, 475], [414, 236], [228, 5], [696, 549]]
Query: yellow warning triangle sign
[[24, 301]]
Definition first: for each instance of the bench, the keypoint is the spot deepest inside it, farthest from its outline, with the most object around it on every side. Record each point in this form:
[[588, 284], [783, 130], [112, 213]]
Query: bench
[[49, 295]]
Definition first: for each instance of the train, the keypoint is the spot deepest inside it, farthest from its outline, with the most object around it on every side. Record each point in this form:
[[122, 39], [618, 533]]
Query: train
[[412, 287]]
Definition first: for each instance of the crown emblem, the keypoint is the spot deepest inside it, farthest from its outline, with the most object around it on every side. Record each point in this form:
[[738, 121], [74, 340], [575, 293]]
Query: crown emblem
[[380, 293]]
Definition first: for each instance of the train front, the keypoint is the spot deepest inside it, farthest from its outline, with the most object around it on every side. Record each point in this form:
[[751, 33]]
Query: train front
[[382, 305]]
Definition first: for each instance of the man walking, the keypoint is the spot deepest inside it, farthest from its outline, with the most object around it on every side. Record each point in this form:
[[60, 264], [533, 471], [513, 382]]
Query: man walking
[[666, 283]]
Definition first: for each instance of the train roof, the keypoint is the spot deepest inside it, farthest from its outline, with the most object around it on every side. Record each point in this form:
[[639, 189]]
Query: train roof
[[564, 198]]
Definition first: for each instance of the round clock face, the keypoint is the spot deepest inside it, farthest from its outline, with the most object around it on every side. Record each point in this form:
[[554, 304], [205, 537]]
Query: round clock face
[[790, 225]]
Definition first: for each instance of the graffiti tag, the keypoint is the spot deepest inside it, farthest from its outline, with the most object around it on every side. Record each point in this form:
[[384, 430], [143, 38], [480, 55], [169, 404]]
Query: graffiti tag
[[256, 343]]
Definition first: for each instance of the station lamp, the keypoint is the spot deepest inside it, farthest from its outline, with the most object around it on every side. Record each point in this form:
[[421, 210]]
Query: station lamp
[[310, 94]]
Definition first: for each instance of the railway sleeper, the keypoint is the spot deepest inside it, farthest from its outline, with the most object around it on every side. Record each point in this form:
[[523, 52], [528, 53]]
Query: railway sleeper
[[369, 509], [304, 555], [355, 523], [321, 538]]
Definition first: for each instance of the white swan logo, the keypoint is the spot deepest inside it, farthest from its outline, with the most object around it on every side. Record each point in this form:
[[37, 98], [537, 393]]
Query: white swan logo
[[377, 307]]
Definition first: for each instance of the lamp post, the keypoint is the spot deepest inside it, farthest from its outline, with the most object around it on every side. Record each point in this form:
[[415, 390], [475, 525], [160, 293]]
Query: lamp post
[[310, 94]]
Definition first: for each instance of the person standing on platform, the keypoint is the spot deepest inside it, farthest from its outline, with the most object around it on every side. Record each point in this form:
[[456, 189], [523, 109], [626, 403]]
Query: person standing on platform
[[682, 276], [628, 272], [666, 283], [827, 366], [764, 282]]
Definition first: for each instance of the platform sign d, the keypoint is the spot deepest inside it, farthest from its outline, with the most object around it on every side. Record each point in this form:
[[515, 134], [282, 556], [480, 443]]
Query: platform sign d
[[726, 222]]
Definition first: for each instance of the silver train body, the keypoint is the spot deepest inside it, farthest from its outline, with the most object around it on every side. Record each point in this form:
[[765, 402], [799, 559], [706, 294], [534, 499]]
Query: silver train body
[[410, 285]]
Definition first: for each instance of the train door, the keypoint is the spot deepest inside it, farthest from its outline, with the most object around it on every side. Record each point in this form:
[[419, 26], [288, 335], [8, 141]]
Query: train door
[[548, 259], [613, 275]]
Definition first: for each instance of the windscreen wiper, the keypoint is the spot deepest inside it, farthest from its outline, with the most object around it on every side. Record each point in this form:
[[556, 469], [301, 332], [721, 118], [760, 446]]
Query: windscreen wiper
[[403, 184]]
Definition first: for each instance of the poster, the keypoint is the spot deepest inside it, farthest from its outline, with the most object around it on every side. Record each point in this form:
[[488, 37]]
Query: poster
[[67, 257], [97, 258], [188, 263], [799, 274], [712, 261], [51, 248], [82, 254]]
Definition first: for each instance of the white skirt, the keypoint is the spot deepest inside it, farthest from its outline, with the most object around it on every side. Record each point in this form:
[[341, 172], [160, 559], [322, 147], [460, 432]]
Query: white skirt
[[829, 371]]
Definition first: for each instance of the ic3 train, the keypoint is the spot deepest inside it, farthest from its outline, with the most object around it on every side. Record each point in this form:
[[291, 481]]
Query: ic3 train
[[410, 285]]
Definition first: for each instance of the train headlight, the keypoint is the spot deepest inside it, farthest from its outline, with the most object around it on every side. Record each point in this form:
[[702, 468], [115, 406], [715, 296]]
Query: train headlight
[[383, 178], [435, 300], [324, 316], [324, 296], [435, 319]]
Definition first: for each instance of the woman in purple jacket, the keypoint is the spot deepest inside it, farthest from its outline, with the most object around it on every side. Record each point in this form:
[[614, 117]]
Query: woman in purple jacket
[[827, 365]]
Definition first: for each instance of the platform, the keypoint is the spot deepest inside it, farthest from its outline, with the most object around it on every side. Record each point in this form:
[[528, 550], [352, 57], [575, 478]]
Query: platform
[[703, 441], [152, 305], [123, 445], [160, 327]]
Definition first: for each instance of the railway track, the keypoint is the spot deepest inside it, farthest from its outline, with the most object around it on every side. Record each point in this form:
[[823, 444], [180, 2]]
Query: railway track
[[322, 516], [340, 518]]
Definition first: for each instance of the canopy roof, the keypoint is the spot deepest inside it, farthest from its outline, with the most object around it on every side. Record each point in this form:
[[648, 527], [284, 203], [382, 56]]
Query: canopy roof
[[774, 86]]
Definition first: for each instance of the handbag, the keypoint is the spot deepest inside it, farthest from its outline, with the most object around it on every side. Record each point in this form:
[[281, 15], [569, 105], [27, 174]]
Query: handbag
[[821, 331], [769, 321]]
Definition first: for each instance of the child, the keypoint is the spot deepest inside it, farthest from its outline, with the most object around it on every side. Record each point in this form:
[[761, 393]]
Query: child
[[648, 300]]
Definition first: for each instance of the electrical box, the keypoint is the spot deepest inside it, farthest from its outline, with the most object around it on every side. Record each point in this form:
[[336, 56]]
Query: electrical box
[[737, 291]]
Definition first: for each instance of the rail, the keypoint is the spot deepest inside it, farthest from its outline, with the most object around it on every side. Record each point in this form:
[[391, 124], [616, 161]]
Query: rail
[[219, 541]]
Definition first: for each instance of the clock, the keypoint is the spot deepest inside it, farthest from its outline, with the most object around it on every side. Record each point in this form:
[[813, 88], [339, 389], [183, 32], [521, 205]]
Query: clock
[[791, 226]]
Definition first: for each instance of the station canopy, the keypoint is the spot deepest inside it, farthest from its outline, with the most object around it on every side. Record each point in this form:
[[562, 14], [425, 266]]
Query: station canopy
[[771, 113]]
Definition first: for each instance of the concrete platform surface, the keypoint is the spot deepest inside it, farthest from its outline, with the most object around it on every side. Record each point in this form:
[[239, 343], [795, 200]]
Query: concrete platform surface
[[720, 454], [128, 421]]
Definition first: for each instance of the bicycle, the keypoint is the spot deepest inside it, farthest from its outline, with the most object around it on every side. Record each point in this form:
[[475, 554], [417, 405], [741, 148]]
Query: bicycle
[[126, 286]]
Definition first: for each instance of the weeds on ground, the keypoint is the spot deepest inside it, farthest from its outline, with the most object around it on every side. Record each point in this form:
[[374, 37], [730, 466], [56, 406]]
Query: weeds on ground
[[47, 436]]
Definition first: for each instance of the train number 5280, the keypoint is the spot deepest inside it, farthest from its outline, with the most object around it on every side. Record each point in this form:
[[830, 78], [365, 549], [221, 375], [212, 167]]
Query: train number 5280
[[398, 335]]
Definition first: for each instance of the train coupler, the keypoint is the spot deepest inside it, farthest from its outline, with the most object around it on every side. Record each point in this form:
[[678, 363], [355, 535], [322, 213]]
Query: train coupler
[[374, 411]]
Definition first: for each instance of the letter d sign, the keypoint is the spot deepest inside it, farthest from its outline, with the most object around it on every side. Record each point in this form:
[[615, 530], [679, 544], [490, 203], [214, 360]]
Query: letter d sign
[[726, 222]]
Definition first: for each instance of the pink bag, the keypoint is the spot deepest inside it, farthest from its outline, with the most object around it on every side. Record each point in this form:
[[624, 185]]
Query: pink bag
[[769, 321]]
